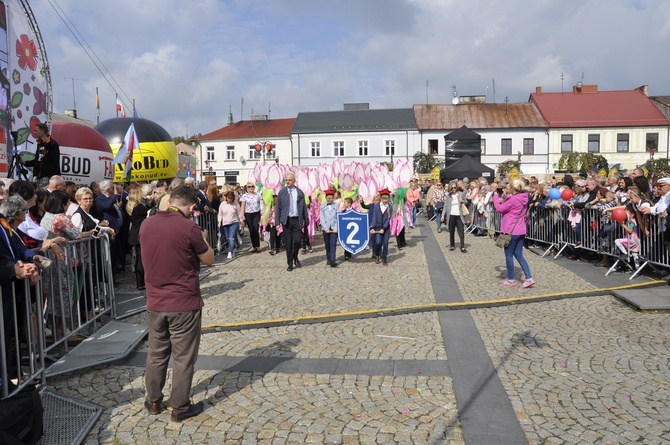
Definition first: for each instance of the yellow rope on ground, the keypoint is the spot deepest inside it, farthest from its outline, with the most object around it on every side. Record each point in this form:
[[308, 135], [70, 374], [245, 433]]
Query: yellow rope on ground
[[412, 309]]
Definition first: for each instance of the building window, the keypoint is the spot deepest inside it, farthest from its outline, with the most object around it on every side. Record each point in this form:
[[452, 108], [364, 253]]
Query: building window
[[622, 143], [362, 148], [210, 153], [506, 146], [652, 142], [272, 153], [316, 149], [566, 143], [390, 147], [338, 149], [253, 154], [594, 143], [230, 153], [528, 146], [483, 146], [432, 146]]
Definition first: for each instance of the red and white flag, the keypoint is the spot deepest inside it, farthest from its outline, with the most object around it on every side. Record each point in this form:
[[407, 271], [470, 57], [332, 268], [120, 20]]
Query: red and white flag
[[125, 153], [119, 108]]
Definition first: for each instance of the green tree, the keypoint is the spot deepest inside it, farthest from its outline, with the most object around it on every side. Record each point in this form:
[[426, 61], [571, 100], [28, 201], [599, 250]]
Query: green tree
[[581, 162], [424, 162]]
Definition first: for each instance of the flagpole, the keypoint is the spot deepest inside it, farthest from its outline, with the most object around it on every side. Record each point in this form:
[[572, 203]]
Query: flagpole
[[97, 104], [117, 108]]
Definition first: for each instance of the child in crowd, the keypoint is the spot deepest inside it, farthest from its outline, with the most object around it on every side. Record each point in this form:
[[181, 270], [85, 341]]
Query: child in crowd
[[631, 243]]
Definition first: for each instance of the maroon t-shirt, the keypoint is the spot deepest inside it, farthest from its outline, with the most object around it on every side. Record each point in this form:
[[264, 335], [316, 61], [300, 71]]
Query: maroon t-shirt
[[170, 244]]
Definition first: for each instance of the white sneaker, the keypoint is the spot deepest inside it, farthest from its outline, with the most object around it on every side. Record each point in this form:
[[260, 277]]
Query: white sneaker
[[230, 255]]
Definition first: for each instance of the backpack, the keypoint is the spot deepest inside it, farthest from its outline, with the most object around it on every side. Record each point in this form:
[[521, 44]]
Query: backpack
[[21, 418]]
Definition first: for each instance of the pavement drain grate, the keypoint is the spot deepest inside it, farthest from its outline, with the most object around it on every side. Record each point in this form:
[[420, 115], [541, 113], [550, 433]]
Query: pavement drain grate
[[66, 420]]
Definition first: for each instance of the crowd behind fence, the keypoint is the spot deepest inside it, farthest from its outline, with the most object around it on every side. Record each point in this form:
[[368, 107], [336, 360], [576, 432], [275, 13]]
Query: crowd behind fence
[[40, 321], [591, 230]]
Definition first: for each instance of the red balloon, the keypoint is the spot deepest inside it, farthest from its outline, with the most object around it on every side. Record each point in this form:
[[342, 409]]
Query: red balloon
[[619, 215], [566, 194]]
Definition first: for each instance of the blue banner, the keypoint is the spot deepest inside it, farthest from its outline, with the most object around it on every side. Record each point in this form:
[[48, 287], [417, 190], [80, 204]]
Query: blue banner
[[353, 231]]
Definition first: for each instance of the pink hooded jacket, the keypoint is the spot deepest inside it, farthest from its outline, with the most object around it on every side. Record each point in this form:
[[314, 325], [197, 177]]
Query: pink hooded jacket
[[512, 207]]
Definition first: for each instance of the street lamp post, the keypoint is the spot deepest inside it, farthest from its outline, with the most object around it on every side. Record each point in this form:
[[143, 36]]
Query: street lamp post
[[264, 147]]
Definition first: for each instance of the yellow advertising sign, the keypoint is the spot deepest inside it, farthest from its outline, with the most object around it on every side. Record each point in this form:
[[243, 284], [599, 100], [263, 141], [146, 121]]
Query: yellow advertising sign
[[151, 160]]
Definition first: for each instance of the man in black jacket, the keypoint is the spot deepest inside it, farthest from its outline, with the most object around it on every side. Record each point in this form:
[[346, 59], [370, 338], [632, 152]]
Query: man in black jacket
[[47, 157]]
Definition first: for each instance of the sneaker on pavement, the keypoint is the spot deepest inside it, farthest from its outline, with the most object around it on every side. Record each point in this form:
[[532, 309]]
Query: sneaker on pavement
[[230, 255], [508, 283], [528, 283]]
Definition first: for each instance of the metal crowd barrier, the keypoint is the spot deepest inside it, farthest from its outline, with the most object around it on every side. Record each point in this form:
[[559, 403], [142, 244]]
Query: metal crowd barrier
[[78, 291], [209, 222], [22, 348], [596, 232]]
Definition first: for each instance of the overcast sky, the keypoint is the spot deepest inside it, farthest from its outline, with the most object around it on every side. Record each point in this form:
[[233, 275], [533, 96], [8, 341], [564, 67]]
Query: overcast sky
[[185, 62]]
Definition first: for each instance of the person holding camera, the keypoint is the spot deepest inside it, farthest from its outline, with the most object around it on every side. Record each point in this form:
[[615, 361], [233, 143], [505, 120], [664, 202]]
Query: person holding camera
[[513, 205]]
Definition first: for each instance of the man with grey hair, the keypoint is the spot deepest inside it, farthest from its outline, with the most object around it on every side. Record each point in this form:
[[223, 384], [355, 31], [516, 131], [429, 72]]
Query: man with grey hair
[[291, 215], [56, 182]]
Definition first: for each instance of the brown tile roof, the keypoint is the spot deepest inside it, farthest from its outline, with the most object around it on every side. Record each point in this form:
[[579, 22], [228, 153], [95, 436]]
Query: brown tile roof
[[478, 116], [629, 108], [252, 129]]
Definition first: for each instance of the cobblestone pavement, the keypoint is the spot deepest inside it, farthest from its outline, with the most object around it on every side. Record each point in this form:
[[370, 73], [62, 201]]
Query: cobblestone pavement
[[582, 370]]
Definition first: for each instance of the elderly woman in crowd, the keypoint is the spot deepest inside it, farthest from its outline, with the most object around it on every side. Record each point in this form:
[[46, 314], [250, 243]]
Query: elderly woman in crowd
[[138, 210], [15, 209], [30, 231], [57, 224], [453, 216], [250, 203]]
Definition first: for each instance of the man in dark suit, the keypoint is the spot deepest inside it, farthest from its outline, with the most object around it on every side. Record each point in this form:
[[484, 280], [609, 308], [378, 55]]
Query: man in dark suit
[[291, 214], [107, 203]]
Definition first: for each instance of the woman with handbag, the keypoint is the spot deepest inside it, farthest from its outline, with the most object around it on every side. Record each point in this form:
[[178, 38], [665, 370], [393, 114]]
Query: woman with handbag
[[513, 206], [452, 214]]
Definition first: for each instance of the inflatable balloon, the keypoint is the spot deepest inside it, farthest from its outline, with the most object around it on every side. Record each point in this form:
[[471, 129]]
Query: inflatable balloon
[[554, 193], [566, 195], [156, 155], [619, 215], [85, 155]]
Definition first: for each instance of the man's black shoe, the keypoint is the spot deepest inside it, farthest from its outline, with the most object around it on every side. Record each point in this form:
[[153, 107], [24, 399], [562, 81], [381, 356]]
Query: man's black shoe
[[153, 408], [192, 411], [289, 268], [297, 263], [333, 264]]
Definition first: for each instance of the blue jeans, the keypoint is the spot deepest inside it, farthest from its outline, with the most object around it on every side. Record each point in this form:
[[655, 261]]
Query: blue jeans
[[438, 217], [229, 232], [413, 215], [515, 250]]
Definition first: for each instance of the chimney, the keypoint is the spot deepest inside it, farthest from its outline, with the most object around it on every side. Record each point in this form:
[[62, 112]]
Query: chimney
[[538, 90], [644, 89]]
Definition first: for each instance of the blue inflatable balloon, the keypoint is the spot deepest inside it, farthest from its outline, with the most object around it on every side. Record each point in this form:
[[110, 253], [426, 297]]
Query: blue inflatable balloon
[[554, 193]]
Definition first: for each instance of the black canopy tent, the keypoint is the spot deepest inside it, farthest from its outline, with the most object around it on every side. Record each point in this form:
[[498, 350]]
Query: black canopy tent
[[461, 142], [467, 167]]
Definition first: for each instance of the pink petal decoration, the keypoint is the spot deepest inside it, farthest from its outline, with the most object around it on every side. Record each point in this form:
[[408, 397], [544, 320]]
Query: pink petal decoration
[[313, 179], [367, 189], [402, 172], [301, 180], [338, 167], [274, 178], [378, 175], [359, 172], [346, 182]]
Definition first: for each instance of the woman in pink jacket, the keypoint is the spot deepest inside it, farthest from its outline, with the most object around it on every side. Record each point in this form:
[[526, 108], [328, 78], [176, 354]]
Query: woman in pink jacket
[[513, 205]]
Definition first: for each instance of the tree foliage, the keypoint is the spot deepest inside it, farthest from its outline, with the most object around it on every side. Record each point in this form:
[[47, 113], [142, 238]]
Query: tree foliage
[[581, 162], [505, 166], [424, 162]]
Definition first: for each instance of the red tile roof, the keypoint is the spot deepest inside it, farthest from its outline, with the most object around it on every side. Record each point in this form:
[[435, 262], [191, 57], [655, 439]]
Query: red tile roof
[[592, 108], [478, 116], [253, 129]]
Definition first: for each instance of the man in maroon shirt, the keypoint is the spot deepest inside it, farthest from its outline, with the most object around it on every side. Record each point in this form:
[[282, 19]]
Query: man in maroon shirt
[[172, 248]]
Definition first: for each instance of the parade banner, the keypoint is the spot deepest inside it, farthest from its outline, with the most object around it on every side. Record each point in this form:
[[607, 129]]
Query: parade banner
[[353, 231]]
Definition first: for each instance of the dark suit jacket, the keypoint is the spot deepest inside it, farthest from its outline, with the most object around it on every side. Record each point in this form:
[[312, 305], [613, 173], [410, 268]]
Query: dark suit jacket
[[284, 205], [106, 206], [381, 220], [46, 164]]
